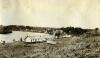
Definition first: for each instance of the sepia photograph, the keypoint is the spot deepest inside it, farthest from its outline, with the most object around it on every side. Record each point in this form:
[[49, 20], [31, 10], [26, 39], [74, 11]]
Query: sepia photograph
[[49, 28]]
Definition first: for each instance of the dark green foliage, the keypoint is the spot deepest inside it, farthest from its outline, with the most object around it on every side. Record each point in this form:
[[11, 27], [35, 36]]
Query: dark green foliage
[[5, 30], [10, 28], [57, 34], [69, 30], [50, 31], [74, 30], [96, 31]]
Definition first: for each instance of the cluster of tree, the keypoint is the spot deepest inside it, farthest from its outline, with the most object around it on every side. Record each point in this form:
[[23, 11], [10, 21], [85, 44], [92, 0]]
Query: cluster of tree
[[3, 30], [10, 28], [75, 31], [58, 34], [17, 27]]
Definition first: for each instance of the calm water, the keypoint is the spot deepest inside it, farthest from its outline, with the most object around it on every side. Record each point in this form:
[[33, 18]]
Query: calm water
[[18, 34]]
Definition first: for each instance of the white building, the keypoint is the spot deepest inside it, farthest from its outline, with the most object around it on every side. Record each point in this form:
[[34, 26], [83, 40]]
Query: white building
[[38, 38], [34, 39]]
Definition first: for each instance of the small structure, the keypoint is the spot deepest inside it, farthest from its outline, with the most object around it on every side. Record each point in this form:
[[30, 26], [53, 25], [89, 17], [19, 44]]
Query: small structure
[[34, 39], [66, 36], [28, 39], [51, 42]]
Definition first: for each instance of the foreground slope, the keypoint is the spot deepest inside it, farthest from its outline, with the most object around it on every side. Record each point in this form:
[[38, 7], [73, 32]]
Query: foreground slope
[[75, 47]]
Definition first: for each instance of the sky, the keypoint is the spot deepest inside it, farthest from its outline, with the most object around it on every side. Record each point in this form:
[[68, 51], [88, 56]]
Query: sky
[[51, 13]]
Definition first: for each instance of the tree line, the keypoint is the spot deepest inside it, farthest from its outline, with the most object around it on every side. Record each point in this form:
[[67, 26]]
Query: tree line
[[75, 31]]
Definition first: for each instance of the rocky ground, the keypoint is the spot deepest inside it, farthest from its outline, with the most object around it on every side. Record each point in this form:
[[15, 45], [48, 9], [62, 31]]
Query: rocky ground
[[75, 47]]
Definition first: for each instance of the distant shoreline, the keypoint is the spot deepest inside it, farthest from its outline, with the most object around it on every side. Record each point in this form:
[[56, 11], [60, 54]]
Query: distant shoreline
[[75, 31]]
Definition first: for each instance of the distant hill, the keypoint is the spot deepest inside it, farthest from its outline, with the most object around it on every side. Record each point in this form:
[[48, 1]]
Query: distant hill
[[9, 28], [75, 31]]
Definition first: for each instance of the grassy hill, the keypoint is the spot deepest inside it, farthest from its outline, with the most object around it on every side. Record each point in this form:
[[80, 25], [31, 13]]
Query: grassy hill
[[75, 47]]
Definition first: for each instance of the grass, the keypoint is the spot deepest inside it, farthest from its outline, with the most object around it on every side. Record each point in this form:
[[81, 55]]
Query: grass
[[75, 47]]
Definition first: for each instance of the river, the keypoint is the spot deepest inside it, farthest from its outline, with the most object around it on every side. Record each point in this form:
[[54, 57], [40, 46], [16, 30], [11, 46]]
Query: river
[[18, 34]]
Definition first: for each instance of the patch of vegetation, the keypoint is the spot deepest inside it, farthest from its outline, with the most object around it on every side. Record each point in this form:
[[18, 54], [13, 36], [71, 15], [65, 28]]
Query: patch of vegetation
[[4, 30], [74, 30], [75, 47]]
